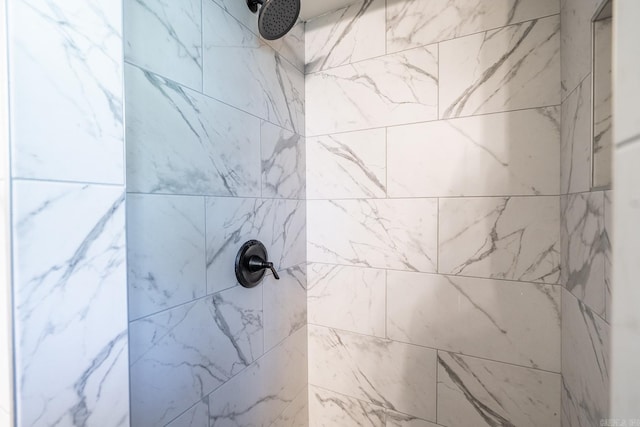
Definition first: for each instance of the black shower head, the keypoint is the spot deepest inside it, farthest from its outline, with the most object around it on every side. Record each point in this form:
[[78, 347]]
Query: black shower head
[[277, 17]]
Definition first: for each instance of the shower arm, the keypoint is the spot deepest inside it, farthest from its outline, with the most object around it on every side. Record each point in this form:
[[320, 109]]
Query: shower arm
[[253, 4]]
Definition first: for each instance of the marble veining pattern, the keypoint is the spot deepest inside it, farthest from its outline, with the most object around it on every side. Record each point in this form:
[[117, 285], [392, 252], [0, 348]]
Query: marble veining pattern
[[345, 36], [389, 90], [283, 162], [165, 37], [412, 23], [182, 142], [510, 68], [476, 392], [297, 413], [197, 416], [332, 409], [602, 103], [515, 238], [608, 252], [67, 281], [66, 90], [575, 148], [399, 234]]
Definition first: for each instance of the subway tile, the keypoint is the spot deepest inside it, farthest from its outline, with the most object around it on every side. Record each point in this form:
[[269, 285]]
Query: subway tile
[[585, 364], [332, 409], [513, 238], [412, 23], [583, 248], [515, 153], [297, 413], [347, 298], [347, 165], [166, 252], [398, 234], [347, 35], [283, 162], [182, 142], [66, 90], [165, 38], [285, 304], [258, 395], [390, 90], [180, 356], [69, 299], [575, 151], [509, 68], [494, 319], [197, 416], [380, 372], [242, 71], [476, 392]]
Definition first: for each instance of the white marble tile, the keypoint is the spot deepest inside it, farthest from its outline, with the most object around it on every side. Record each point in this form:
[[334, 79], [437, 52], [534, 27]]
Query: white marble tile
[[515, 153], [513, 238], [583, 248], [608, 252], [347, 298], [396, 419], [258, 395], [347, 165], [181, 355], [66, 90], [385, 91], [70, 314], [241, 70], [576, 42], [585, 364], [399, 234], [285, 304], [493, 319], [602, 102], [575, 148], [396, 376], [197, 416], [182, 142], [166, 252], [510, 68], [412, 23], [345, 36], [283, 162], [327, 408], [297, 413], [165, 37], [279, 224], [477, 392]]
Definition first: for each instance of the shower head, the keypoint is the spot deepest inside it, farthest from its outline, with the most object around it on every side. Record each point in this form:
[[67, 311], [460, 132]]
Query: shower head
[[276, 18]]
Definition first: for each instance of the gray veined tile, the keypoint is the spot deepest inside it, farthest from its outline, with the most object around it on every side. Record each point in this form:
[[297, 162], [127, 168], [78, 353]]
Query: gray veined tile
[[385, 373], [412, 23], [165, 37], [509, 68], [327, 408], [347, 165], [242, 71], [389, 90], [495, 319], [347, 298], [182, 142], [297, 413], [476, 392], [345, 36], [602, 103], [69, 266], [583, 248], [513, 238], [283, 162], [398, 234], [181, 355], [197, 416], [396, 419], [514, 153], [608, 255], [585, 364], [67, 78], [575, 149], [166, 252], [259, 394]]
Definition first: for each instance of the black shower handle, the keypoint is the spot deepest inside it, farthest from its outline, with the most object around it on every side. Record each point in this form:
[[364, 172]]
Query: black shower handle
[[256, 263]]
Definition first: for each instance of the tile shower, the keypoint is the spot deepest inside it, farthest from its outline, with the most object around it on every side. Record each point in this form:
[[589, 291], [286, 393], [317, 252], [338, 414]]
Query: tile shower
[[419, 171]]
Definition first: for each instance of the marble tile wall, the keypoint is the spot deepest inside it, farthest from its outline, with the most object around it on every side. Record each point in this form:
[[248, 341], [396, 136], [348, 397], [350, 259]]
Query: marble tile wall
[[215, 157], [433, 222], [585, 236], [68, 212]]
